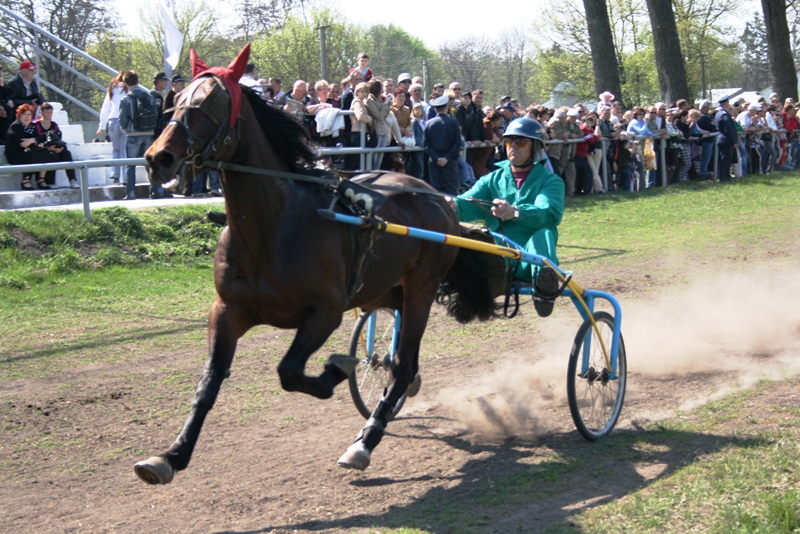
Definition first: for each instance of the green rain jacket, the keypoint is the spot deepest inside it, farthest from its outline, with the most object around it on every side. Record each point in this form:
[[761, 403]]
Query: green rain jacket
[[540, 203]]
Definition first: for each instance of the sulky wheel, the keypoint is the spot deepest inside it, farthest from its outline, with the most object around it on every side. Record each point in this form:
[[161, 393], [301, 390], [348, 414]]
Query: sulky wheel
[[595, 393], [374, 343]]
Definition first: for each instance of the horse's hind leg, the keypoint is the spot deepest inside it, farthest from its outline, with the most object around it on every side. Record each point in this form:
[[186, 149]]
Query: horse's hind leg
[[417, 304], [225, 327]]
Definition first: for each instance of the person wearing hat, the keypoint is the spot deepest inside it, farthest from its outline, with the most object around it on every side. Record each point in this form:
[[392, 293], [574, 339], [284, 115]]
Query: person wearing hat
[[606, 99], [23, 88], [527, 205], [178, 85], [442, 142], [507, 114], [404, 83], [706, 123], [157, 93], [728, 140]]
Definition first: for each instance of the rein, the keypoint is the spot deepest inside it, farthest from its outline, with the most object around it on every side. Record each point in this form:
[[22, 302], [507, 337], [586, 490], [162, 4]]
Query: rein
[[235, 167]]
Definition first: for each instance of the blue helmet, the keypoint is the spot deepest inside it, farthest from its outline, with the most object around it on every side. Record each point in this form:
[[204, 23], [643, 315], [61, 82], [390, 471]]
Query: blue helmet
[[525, 127]]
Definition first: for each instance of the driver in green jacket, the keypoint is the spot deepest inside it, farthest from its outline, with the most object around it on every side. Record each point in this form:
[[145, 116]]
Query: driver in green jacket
[[527, 205]]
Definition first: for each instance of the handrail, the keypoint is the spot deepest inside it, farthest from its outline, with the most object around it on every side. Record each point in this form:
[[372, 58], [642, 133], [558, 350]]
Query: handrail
[[51, 57], [69, 97], [63, 43]]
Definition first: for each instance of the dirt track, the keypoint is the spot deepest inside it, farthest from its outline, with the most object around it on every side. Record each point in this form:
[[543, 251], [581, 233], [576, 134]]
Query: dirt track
[[492, 411]]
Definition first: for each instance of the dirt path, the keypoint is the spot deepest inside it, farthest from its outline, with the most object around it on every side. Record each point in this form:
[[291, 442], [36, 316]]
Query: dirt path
[[492, 413]]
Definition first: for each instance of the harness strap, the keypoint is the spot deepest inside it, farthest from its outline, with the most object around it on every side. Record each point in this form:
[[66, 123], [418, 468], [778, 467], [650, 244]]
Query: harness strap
[[511, 289], [268, 172], [332, 181]]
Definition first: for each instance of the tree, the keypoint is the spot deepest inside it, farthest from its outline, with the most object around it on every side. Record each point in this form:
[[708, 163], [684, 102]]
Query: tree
[[262, 17], [755, 59], [76, 22], [292, 52], [468, 60], [705, 41], [510, 74], [601, 41], [669, 58], [781, 62], [561, 75], [393, 51]]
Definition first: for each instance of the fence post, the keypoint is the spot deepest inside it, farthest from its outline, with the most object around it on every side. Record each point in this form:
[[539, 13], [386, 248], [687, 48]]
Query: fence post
[[604, 162], [363, 142], [716, 161], [87, 212]]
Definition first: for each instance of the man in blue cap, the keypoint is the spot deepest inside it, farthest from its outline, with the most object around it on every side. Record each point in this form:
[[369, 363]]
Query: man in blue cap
[[527, 205], [442, 143], [728, 139]]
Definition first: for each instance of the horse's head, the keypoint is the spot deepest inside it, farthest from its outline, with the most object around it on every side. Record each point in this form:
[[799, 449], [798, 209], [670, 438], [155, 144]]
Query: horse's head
[[203, 125]]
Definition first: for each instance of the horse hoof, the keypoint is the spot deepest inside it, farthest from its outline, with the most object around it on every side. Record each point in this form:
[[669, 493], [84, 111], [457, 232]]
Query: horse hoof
[[413, 387], [155, 470], [355, 457], [343, 362]]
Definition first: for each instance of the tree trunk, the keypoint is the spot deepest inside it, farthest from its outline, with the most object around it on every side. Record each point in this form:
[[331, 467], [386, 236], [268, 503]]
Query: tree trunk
[[779, 47], [604, 58], [669, 58]]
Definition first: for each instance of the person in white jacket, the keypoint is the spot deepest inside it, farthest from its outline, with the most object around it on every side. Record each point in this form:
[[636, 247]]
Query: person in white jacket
[[109, 121]]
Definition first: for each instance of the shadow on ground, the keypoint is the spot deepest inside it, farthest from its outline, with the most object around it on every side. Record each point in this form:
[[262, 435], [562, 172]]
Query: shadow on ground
[[532, 486]]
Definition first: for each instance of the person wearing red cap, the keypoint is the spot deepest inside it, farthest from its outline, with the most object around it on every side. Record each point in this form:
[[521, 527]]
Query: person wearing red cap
[[23, 88]]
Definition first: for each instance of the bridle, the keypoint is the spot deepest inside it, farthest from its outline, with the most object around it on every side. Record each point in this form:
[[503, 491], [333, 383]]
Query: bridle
[[216, 106]]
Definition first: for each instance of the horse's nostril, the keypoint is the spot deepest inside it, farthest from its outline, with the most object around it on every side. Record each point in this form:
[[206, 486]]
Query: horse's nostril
[[163, 159]]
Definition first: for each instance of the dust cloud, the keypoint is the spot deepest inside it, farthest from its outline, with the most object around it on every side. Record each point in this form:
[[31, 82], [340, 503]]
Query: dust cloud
[[685, 346]]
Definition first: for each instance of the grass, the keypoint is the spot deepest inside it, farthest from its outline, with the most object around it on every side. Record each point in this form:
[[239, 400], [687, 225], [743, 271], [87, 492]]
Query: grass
[[749, 485], [630, 228], [44, 247]]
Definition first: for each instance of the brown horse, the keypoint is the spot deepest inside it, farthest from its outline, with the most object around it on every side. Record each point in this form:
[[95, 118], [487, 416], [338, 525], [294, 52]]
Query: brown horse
[[280, 263]]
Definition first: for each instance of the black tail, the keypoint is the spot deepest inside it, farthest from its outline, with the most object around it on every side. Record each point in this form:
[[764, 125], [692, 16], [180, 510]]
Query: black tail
[[471, 286]]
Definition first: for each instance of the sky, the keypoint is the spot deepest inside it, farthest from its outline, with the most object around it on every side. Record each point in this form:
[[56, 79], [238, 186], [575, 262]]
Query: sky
[[459, 22]]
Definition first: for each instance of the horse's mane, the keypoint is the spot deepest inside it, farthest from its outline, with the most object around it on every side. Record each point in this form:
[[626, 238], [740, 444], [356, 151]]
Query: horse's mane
[[288, 138]]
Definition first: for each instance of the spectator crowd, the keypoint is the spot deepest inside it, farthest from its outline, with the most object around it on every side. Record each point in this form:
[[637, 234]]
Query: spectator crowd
[[747, 137], [634, 148]]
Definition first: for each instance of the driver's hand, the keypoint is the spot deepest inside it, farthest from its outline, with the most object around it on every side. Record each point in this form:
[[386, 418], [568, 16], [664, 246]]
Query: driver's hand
[[502, 209], [451, 202]]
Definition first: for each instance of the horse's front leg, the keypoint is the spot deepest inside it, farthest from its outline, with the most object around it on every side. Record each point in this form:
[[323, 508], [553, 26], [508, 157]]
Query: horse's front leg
[[225, 326], [416, 310]]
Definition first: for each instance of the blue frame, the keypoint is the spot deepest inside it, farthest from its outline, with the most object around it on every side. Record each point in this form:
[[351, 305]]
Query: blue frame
[[589, 297]]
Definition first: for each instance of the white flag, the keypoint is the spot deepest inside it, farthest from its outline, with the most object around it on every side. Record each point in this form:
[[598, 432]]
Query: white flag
[[172, 35]]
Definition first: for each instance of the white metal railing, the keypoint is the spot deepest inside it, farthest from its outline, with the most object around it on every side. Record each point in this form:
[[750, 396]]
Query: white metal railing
[[83, 166], [366, 162]]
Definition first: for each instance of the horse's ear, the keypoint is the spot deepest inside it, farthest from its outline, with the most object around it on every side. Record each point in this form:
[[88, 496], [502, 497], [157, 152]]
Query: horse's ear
[[198, 65], [237, 66]]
